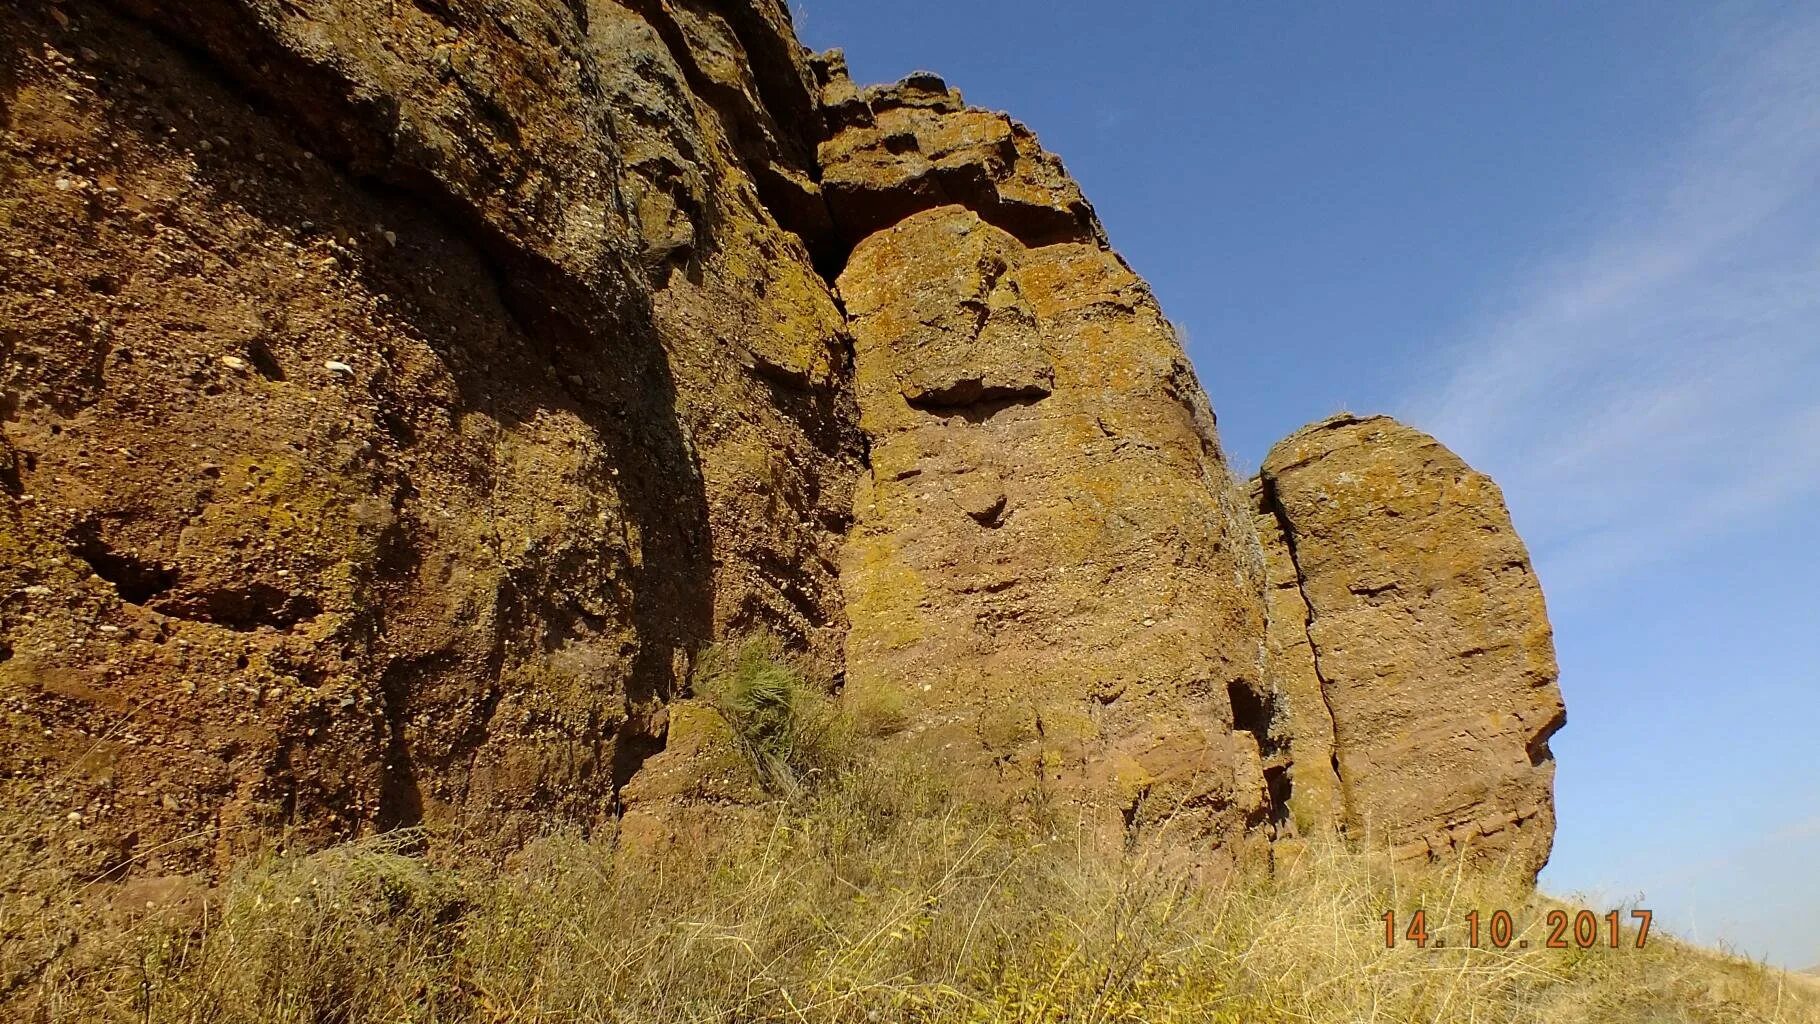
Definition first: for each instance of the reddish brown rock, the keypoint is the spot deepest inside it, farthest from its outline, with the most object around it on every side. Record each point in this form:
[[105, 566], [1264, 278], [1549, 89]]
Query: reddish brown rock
[[1046, 575], [1428, 639], [1051, 583], [396, 396], [915, 145]]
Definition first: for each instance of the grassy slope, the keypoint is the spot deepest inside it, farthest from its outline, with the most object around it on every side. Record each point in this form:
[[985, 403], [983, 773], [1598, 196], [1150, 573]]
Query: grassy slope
[[872, 899], [869, 896]]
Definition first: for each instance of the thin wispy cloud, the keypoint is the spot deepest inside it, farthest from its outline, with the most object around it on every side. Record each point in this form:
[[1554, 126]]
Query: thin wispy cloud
[[1655, 382]]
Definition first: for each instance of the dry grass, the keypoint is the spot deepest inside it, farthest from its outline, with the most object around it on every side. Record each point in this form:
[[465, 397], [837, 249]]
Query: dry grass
[[869, 898]]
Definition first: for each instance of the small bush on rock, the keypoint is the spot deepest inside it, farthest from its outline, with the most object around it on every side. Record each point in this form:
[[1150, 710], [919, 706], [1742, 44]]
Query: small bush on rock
[[792, 731]]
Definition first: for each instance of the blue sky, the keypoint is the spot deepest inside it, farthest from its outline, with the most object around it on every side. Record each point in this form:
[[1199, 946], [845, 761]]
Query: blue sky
[[1580, 243]]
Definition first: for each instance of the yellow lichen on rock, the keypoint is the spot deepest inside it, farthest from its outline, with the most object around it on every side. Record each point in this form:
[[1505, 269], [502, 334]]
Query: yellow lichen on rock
[[1040, 466], [399, 400], [1425, 633]]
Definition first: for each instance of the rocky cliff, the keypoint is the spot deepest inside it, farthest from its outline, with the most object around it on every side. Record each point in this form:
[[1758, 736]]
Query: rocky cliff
[[1044, 478], [1401, 595], [399, 397]]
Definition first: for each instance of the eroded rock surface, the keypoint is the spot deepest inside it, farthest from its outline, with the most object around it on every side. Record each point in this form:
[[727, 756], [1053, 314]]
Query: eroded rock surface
[[1422, 624], [898, 149], [1051, 585], [1304, 772], [396, 396]]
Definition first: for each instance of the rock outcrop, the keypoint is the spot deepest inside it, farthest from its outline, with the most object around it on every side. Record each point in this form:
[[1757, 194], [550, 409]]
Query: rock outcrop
[[397, 398], [1403, 596], [1051, 586], [401, 395], [899, 149]]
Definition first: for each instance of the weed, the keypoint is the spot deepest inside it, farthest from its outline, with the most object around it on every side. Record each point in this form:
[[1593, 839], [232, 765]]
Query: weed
[[791, 730]]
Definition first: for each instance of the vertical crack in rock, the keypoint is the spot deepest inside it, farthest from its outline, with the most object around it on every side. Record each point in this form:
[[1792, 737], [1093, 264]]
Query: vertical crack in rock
[[1430, 637], [1273, 506]]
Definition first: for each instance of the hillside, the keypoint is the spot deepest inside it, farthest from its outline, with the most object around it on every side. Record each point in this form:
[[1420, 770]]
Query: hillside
[[878, 897], [414, 414]]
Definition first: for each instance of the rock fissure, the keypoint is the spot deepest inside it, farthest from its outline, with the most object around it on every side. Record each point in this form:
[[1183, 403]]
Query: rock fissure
[[1273, 506], [1435, 661]]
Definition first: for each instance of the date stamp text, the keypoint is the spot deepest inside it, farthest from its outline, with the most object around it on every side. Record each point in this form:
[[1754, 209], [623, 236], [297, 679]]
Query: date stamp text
[[1581, 930]]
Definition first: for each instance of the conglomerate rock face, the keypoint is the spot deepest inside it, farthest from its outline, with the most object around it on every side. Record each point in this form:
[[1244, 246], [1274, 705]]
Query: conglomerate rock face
[[898, 149], [1051, 585], [1401, 590], [396, 398]]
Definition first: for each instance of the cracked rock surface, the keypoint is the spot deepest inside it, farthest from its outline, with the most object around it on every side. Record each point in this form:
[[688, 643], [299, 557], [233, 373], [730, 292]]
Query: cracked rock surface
[[1424, 630], [397, 398], [1049, 577]]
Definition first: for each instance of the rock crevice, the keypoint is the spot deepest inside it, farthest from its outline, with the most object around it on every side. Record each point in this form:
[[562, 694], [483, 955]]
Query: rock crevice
[[1425, 628], [1327, 806]]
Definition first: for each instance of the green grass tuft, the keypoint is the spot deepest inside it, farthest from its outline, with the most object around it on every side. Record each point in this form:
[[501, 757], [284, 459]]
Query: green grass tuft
[[790, 729]]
